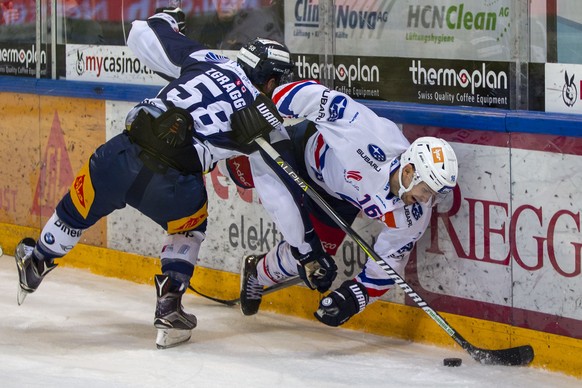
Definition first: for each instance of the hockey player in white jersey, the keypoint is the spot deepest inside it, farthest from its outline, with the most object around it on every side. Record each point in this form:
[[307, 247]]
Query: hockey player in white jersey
[[156, 164], [357, 161]]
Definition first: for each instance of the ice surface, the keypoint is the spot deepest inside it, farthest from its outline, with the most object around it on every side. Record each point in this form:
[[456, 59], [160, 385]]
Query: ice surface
[[83, 330]]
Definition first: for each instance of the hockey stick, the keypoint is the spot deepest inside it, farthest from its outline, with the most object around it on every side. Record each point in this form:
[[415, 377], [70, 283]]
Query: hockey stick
[[232, 302], [519, 355]]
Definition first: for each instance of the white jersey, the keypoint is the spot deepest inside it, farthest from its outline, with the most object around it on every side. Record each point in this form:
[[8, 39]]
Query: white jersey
[[351, 157]]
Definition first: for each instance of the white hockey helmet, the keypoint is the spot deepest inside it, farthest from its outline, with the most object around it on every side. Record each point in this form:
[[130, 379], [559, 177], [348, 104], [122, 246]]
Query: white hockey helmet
[[435, 164]]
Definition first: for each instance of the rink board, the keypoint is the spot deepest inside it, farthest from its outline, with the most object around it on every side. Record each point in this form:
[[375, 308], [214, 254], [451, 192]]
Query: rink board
[[553, 352], [501, 260]]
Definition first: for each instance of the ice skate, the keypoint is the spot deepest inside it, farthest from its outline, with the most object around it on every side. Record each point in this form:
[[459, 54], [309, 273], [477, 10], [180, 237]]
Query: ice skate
[[251, 291], [31, 271], [173, 323], [168, 338]]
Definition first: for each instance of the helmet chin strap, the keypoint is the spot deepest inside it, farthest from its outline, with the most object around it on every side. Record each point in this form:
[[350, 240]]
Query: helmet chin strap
[[402, 190]]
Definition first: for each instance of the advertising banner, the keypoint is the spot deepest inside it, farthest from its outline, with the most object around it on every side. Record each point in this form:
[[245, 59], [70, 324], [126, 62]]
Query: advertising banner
[[563, 88], [474, 30], [20, 59], [45, 141], [115, 64], [428, 81], [506, 247]]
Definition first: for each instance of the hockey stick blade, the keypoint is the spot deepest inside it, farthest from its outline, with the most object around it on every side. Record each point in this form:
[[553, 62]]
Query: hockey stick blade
[[521, 355], [517, 356], [269, 290]]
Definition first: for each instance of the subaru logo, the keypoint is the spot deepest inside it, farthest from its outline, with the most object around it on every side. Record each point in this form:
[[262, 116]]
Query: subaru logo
[[416, 211], [376, 152], [337, 108]]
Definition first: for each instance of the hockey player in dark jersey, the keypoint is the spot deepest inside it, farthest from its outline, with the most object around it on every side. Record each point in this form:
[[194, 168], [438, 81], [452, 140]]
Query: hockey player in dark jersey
[[156, 164]]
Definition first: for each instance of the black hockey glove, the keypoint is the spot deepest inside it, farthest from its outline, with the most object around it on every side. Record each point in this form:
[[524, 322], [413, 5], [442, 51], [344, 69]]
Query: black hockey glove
[[317, 270], [342, 304], [177, 14], [255, 121]]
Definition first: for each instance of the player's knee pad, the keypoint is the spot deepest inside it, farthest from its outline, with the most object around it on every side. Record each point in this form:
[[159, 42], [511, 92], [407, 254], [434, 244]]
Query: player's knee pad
[[57, 238]]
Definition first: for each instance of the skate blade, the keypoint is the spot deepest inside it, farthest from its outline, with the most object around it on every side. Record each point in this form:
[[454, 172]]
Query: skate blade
[[21, 295], [168, 338]]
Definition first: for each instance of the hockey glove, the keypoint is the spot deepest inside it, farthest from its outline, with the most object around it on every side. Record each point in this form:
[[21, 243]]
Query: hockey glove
[[177, 14], [255, 121], [317, 270], [342, 304]]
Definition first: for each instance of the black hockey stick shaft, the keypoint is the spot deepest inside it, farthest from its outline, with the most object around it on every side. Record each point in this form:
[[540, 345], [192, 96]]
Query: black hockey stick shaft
[[520, 355], [269, 290]]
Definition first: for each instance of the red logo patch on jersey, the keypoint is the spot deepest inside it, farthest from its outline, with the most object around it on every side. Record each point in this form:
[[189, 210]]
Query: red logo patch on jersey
[[354, 175], [82, 191], [239, 169], [389, 220], [190, 222], [78, 185]]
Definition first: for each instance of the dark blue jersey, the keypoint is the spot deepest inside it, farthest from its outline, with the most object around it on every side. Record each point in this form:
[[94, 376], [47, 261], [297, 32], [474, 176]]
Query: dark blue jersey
[[209, 86]]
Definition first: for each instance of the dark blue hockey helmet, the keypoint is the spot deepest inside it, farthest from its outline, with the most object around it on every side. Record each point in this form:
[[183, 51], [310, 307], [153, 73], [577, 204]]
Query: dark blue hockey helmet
[[263, 59]]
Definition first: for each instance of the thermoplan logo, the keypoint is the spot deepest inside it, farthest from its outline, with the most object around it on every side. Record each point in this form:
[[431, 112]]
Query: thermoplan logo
[[22, 56], [465, 78], [350, 73]]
